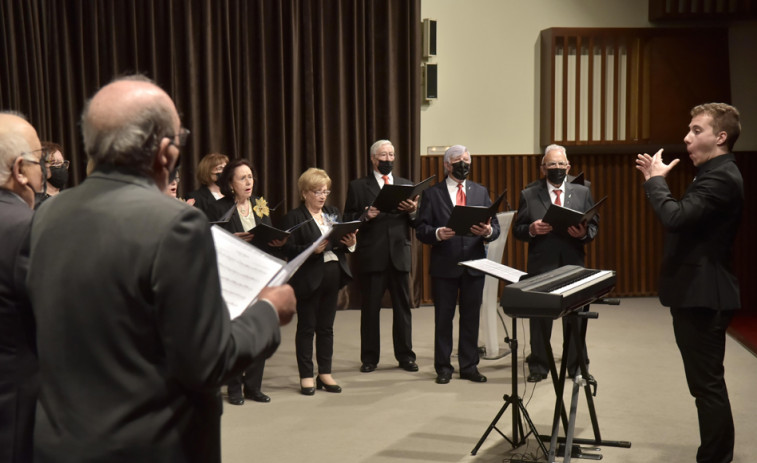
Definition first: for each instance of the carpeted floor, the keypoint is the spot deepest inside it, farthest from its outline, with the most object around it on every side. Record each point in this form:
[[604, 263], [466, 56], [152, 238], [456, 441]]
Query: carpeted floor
[[393, 416]]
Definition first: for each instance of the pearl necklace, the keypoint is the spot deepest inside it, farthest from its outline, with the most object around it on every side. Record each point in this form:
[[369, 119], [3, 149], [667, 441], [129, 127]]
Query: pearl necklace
[[244, 210]]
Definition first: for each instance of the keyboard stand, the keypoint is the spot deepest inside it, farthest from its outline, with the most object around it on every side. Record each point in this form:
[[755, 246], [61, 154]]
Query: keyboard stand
[[573, 322], [520, 413]]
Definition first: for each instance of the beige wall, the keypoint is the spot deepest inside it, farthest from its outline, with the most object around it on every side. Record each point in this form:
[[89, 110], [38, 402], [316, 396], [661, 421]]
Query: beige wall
[[487, 53]]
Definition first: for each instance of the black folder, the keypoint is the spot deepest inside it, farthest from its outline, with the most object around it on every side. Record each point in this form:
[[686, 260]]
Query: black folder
[[561, 218], [338, 230], [579, 179], [264, 234], [464, 217], [226, 216], [390, 196]]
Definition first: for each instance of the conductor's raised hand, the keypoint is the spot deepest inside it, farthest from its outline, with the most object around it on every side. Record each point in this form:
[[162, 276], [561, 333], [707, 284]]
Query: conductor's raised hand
[[652, 166], [283, 300]]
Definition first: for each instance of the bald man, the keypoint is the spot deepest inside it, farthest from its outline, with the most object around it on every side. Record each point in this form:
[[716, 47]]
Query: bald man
[[21, 175], [134, 338]]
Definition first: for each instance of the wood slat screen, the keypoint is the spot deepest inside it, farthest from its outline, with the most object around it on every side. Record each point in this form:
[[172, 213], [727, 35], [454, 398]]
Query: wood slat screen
[[605, 87], [701, 10], [630, 238]]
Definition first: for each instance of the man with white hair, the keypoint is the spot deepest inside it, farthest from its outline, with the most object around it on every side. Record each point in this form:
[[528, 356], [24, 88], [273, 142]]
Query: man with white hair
[[21, 175], [548, 250], [449, 280], [133, 335], [383, 259]]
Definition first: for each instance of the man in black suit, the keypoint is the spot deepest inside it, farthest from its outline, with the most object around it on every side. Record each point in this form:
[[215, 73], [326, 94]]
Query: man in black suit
[[133, 335], [549, 249], [449, 279], [382, 259], [696, 280], [21, 176]]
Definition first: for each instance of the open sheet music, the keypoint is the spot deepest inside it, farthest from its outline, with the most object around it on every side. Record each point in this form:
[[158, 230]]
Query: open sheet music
[[245, 270], [489, 267]]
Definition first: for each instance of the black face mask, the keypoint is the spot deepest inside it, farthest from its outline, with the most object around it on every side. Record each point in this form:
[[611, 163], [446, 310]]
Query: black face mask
[[556, 176], [385, 167], [58, 177], [460, 170]]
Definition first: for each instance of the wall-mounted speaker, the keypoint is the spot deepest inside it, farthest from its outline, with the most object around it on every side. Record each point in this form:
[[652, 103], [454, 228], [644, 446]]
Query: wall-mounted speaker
[[429, 38], [430, 89]]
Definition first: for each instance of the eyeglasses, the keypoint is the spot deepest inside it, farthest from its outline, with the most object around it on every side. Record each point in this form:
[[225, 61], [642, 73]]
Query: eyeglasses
[[183, 136], [63, 164], [552, 165], [322, 193]]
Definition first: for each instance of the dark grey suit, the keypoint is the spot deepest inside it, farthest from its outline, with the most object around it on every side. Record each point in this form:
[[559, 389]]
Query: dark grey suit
[[18, 359], [698, 284], [550, 251], [133, 335], [383, 261]]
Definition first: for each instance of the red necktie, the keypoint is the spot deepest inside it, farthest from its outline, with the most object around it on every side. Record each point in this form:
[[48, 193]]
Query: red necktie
[[460, 200], [557, 197], [386, 179]]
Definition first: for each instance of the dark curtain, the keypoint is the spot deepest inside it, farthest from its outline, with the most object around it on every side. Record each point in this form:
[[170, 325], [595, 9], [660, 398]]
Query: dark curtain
[[288, 84]]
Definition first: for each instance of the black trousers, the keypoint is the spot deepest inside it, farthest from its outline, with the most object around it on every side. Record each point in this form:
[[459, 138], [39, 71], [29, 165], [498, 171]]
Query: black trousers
[[445, 292], [315, 319], [373, 285], [700, 335], [252, 378]]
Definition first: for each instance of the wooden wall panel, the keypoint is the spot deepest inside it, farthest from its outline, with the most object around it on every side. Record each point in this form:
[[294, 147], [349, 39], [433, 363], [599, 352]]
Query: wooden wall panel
[[630, 239]]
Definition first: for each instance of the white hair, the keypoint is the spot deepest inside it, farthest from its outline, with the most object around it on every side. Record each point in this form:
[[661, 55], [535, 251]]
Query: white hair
[[12, 145], [453, 151], [377, 145], [552, 147]]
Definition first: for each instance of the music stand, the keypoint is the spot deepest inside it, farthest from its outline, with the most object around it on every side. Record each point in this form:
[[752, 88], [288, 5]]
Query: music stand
[[520, 413]]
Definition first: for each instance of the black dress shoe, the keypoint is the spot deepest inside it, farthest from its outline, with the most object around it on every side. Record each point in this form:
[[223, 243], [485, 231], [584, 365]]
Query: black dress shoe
[[443, 378], [367, 367], [474, 376], [236, 399], [536, 377], [328, 387], [409, 366], [257, 396]]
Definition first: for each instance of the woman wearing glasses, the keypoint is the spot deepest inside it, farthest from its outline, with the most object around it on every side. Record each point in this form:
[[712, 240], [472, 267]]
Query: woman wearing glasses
[[316, 284], [208, 173]]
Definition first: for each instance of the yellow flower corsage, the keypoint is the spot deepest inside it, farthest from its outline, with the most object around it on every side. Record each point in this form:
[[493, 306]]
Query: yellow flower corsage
[[261, 207]]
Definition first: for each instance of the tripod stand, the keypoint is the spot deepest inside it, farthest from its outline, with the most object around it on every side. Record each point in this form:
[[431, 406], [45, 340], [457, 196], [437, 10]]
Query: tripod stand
[[519, 410]]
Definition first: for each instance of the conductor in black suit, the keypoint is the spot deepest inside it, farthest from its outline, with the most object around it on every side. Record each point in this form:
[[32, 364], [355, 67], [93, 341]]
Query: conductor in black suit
[[21, 176], [133, 335], [383, 259], [451, 281], [696, 279], [548, 249]]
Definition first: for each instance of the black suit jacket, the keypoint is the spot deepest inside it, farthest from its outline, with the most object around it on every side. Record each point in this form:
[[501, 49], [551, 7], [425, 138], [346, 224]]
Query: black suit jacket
[[18, 359], [434, 212], [384, 240], [204, 200], [132, 329], [550, 251], [701, 228], [309, 276], [234, 225]]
